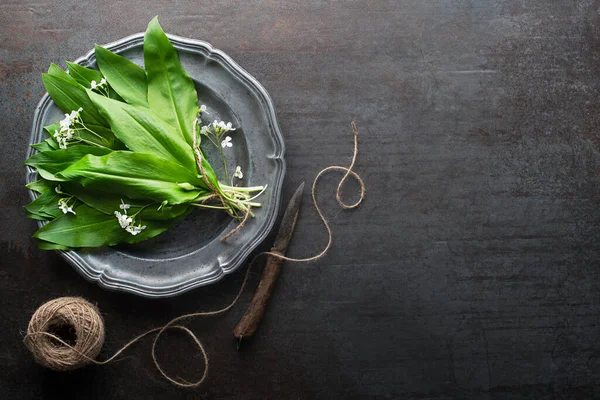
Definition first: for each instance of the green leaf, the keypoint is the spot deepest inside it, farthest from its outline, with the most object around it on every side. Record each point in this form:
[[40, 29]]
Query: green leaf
[[210, 172], [84, 76], [42, 146], [108, 203], [171, 91], [41, 186], [37, 217], [107, 137], [91, 228], [50, 130], [70, 95], [142, 131], [44, 245], [134, 175], [208, 169], [125, 77], [48, 163], [57, 71], [45, 206]]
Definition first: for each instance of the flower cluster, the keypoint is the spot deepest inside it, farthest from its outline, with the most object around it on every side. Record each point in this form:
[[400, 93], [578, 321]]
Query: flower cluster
[[64, 206], [221, 127], [67, 129], [101, 85], [127, 221], [215, 132]]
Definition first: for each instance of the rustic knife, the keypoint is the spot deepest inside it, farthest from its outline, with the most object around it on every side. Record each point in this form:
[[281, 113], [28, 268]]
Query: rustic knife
[[249, 322]]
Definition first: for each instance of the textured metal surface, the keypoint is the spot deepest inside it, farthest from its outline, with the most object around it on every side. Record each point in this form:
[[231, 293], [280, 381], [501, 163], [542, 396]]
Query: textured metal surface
[[191, 255], [471, 269]]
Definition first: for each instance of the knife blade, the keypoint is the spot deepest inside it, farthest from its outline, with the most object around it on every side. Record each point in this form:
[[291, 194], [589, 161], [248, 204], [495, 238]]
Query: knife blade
[[251, 319]]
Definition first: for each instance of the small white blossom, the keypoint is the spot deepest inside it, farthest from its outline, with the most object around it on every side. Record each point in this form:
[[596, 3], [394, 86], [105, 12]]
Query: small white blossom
[[134, 230], [97, 85], [205, 129], [123, 206], [126, 222], [238, 173], [203, 109], [226, 142], [64, 207], [123, 219], [65, 123], [58, 189], [227, 127], [223, 127], [66, 132]]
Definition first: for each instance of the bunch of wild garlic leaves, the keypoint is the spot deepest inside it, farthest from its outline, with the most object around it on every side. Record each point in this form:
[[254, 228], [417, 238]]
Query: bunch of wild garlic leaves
[[125, 163]]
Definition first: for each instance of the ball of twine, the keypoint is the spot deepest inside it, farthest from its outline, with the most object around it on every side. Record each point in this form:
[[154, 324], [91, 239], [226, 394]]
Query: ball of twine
[[74, 315]]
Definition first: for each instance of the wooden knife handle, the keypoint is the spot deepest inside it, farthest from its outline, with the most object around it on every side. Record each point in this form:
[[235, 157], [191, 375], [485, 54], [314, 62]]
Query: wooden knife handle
[[249, 322]]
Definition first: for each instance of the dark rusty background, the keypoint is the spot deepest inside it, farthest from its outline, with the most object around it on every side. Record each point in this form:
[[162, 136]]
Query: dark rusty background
[[470, 271]]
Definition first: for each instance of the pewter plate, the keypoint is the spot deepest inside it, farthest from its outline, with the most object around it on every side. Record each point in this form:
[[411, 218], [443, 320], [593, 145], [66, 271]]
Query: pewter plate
[[190, 254]]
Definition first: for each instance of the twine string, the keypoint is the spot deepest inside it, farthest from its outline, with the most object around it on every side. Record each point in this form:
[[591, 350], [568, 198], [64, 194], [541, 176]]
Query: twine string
[[173, 323]]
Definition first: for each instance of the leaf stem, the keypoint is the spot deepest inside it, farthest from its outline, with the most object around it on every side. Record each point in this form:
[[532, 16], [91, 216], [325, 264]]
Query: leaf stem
[[242, 189], [208, 206]]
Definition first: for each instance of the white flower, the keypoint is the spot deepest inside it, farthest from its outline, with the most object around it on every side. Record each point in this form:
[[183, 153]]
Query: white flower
[[227, 127], [204, 130], [97, 85], [124, 206], [203, 109], [238, 173], [64, 207], [66, 122], [66, 132], [226, 142], [134, 230], [124, 220], [57, 189], [223, 127]]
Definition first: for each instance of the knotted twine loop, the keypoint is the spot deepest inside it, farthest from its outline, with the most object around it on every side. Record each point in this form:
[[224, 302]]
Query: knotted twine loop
[[87, 357]]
